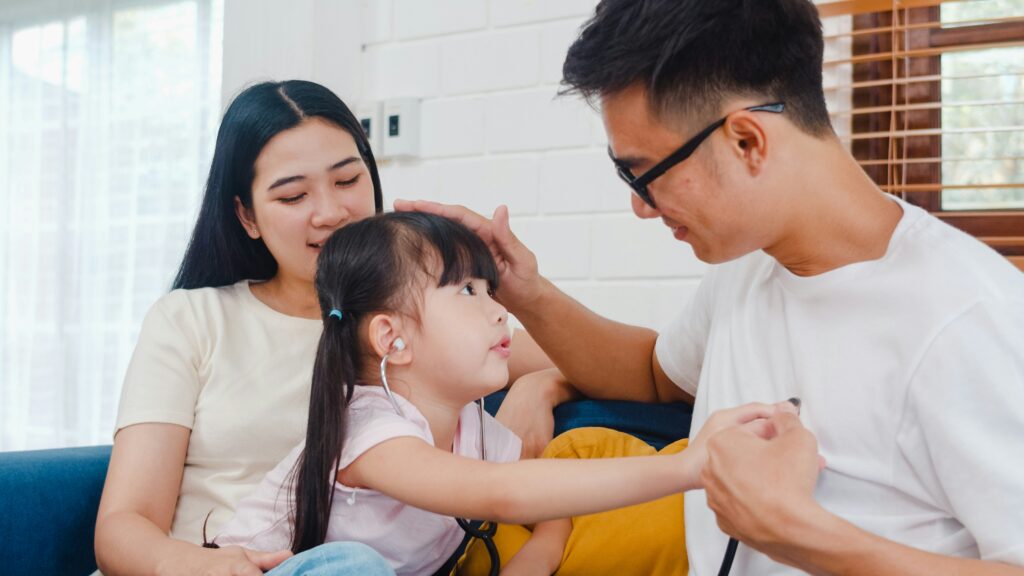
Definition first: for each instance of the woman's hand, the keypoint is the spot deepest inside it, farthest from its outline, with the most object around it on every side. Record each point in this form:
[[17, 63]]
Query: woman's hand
[[528, 408], [227, 561], [517, 266]]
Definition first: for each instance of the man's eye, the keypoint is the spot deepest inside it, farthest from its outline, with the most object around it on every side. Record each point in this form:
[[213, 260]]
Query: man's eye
[[468, 290]]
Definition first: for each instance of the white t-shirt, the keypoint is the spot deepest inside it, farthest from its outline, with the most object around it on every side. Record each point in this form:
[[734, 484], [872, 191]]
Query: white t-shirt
[[412, 540], [234, 371], [911, 372]]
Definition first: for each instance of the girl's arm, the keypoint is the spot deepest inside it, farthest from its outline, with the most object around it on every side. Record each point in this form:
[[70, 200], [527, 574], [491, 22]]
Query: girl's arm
[[137, 507], [412, 471]]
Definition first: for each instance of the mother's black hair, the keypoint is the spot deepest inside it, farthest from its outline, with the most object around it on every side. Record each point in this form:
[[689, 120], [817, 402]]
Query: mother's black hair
[[376, 265], [220, 252]]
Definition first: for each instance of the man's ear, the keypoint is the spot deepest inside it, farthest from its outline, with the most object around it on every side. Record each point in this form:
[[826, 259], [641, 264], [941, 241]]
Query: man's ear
[[247, 218], [387, 336], [747, 139]]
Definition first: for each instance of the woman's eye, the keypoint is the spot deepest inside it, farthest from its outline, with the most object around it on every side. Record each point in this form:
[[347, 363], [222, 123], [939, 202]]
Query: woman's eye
[[347, 183], [468, 290], [291, 199]]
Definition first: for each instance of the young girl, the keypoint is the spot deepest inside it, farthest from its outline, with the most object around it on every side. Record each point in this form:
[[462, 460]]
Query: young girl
[[395, 449]]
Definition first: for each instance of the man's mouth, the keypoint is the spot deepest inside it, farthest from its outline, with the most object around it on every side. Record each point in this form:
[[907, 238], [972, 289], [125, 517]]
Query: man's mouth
[[679, 232]]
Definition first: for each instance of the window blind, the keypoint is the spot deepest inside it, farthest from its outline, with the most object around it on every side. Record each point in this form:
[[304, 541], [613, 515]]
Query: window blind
[[929, 97]]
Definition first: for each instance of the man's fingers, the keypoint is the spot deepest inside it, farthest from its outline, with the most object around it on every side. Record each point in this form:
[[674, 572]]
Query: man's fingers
[[761, 428], [786, 422]]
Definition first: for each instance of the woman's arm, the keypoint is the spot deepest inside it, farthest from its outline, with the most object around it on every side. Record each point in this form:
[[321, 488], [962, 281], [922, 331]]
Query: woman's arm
[[542, 553], [528, 408], [412, 471], [526, 356], [137, 508]]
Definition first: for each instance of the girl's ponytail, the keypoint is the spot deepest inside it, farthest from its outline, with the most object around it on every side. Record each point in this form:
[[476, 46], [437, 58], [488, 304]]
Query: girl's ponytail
[[334, 377]]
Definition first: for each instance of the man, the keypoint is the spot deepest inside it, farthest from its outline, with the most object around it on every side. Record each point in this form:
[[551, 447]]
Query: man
[[902, 336]]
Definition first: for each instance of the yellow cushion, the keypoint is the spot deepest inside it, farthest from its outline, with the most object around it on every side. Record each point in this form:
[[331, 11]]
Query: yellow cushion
[[642, 539]]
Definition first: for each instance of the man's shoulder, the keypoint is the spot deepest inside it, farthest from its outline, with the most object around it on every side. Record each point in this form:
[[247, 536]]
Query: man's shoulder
[[956, 266]]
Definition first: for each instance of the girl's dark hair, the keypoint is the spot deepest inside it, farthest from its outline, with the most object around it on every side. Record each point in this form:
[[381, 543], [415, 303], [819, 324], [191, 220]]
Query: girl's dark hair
[[376, 265], [220, 252], [692, 55]]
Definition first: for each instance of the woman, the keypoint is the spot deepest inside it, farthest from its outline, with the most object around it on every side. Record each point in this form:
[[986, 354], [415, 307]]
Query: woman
[[218, 387]]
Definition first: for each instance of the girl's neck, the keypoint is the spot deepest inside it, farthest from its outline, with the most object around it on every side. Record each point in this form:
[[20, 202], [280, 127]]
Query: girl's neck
[[288, 296], [442, 414]]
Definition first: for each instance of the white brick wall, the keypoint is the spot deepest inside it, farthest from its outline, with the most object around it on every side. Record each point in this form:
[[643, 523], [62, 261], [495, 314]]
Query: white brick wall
[[493, 132]]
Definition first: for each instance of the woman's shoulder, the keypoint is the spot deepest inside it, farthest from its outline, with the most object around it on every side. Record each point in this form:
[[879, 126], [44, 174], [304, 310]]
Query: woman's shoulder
[[203, 302]]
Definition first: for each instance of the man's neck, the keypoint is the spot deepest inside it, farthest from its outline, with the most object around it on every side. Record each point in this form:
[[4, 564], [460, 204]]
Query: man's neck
[[841, 216]]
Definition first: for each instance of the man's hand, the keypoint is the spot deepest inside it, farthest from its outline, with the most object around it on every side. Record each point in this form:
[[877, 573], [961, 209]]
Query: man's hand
[[752, 419], [528, 408], [755, 480], [517, 265]]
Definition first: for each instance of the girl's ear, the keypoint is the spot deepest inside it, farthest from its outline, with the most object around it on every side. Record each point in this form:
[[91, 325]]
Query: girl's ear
[[386, 336], [247, 218]]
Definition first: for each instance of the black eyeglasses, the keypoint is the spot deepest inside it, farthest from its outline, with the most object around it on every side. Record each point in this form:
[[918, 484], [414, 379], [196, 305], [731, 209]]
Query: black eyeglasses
[[639, 183]]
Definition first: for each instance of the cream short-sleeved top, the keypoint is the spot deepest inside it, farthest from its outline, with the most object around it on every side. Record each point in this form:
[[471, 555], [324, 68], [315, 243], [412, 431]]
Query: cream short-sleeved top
[[237, 374]]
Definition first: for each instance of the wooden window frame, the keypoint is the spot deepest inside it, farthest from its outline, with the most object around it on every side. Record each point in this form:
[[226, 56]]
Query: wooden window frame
[[920, 183]]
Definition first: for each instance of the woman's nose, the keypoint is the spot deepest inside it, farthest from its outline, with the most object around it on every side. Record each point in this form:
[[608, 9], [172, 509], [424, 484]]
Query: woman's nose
[[328, 211]]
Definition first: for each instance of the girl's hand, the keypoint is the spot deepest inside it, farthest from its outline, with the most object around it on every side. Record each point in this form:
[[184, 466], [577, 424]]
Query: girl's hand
[[227, 561], [753, 417]]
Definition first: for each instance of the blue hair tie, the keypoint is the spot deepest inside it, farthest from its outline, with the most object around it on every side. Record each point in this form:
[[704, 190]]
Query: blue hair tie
[[336, 313]]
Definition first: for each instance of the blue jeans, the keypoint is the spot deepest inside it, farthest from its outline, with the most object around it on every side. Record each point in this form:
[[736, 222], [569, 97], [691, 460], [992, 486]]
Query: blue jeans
[[335, 559]]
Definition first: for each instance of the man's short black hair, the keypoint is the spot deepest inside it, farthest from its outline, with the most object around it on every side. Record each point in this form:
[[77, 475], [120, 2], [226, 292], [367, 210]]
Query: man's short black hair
[[693, 55]]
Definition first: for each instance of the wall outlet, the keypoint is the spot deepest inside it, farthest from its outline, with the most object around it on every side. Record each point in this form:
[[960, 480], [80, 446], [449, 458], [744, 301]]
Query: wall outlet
[[369, 116], [401, 128]]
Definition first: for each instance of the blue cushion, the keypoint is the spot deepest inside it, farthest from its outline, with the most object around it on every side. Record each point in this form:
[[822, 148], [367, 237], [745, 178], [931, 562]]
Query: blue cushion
[[656, 424], [48, 503]]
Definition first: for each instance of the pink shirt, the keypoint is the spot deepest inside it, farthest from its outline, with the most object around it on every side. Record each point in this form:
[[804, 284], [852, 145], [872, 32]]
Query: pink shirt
[[412, 540]]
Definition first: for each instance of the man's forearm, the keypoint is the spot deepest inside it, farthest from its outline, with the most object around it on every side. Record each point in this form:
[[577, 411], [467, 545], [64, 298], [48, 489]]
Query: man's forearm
[[822, 543], [602, 358]]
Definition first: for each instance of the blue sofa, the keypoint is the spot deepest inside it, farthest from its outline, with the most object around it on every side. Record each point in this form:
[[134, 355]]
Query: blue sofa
[[49, 498]]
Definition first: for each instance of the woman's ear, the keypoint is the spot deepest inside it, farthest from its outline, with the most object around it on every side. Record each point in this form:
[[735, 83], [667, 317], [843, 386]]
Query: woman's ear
[[247, 218], [386, 336]]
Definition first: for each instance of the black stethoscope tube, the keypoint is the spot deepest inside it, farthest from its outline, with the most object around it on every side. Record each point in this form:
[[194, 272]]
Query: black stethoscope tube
[[730, 555]]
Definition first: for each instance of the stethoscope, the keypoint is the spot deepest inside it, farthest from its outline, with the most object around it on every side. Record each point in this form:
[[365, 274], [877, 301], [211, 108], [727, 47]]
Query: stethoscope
[[484, 531], [730, 549]]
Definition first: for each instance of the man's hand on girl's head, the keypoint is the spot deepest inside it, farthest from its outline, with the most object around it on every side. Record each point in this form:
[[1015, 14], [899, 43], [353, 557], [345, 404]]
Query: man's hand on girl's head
[[517, 265]]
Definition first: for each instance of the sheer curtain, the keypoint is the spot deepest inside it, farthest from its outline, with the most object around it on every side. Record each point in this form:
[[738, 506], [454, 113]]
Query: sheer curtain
[[108, 114]]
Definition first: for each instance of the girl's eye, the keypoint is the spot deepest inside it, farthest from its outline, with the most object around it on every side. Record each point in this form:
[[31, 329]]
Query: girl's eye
[[468, 290], [291, 199], [347, 183]]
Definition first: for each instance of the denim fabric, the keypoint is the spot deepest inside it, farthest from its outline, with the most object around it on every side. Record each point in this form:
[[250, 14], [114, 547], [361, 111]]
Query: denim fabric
[[656, 424], [48, 502], [335, 559]]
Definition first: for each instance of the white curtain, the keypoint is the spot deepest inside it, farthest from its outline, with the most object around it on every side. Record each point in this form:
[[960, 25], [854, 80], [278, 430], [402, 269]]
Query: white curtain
[[108, 115]]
